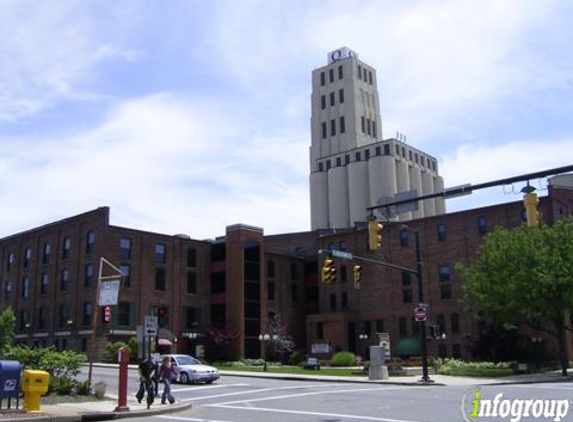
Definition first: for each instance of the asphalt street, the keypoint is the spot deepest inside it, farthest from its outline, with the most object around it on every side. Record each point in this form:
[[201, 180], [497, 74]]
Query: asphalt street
[[240, 399]]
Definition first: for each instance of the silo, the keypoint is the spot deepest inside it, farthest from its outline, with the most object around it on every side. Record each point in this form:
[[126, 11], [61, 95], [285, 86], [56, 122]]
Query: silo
[[319, 200], [338, 198], [403, 184], [428, 188], [415, 177], [358, 190], [439, 203]]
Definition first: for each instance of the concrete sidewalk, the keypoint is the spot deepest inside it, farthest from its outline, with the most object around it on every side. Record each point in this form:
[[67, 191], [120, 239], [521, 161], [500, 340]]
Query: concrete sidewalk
[[105, 409]]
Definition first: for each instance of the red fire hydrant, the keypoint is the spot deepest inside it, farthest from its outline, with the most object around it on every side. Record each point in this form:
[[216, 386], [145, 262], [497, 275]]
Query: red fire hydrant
[[123, 359]]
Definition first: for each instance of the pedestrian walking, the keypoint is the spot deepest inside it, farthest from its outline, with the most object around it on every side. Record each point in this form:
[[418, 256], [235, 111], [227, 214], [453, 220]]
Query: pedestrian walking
[[146, 371], [167, 374]]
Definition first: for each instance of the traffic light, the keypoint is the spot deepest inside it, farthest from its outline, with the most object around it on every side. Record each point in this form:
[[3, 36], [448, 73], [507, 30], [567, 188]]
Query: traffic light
[[435, 331], [107, 314], [328, 271], [530, 202], [374, 235], [162, 311], [357, 271]]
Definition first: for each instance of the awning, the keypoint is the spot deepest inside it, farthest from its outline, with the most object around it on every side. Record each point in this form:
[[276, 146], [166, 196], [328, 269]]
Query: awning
[[164, 342], [409, 346]]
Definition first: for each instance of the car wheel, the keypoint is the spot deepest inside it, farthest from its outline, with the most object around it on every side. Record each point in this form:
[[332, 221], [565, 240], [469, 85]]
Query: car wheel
[[184, 378]]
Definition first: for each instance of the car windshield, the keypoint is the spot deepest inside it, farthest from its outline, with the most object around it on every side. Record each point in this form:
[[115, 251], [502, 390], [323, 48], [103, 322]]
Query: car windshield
[[187, 360]]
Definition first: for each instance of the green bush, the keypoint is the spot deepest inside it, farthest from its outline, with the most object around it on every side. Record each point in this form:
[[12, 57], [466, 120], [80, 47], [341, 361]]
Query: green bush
[[296, 358], [343, 359], [61, 386], [111, 351], [65, 364], [83, 388], [475, 369]]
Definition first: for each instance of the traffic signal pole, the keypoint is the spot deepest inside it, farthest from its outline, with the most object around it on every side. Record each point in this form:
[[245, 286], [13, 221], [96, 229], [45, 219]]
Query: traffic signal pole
[[425, 376]]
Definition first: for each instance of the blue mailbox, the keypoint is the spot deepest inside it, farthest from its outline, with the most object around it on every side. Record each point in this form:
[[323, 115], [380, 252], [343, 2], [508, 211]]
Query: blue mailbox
[[9, 379]]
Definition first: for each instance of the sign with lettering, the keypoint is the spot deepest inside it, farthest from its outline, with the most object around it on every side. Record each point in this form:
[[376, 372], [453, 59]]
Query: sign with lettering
[[341, 53]]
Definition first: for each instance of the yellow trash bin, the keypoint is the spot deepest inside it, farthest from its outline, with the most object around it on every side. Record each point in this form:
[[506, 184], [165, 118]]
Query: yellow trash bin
[[34, 384]]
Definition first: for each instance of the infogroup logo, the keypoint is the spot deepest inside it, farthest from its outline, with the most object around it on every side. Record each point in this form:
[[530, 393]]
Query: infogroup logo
[[496, 407]]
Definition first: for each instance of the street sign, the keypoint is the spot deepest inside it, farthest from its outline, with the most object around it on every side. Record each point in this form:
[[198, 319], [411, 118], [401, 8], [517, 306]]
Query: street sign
[[420, 314], [340, 254], [108, 293], [150, 326]]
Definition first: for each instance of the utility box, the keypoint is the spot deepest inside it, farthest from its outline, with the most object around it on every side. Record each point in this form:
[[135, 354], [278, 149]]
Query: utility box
[[34, 384], [9, 381], [377, 369]]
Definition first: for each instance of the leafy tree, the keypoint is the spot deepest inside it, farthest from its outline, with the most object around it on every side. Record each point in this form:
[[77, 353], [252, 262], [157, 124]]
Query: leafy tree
[[7, 328], [280, 345], [525, 276]]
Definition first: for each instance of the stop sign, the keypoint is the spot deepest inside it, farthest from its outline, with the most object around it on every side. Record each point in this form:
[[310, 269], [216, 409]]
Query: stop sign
[[420, 314]]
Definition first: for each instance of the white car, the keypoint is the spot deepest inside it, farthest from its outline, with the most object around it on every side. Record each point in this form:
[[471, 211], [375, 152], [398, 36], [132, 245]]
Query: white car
[[192, 370]]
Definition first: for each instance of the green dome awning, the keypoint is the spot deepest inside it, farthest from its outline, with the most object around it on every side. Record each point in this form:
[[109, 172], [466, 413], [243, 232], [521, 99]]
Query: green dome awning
[[409, 346]]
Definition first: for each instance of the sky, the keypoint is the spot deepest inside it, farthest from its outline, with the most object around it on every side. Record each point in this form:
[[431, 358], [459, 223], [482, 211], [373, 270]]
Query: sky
[[186, 116]]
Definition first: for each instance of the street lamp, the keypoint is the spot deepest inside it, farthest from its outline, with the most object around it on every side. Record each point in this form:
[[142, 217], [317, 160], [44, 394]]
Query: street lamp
[[263, 338], [442, 338], [175, 340], [363, 337], [425, 376]]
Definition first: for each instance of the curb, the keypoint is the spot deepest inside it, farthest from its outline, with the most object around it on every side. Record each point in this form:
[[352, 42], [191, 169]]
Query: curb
[[328, 379]]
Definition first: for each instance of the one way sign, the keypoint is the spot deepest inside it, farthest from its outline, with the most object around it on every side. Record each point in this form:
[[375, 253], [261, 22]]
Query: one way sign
[[150, 326]]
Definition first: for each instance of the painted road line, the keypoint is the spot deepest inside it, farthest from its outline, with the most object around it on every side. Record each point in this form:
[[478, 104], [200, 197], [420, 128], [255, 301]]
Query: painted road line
[[208, 387], [301, 412], [288, 396], [181, 418]]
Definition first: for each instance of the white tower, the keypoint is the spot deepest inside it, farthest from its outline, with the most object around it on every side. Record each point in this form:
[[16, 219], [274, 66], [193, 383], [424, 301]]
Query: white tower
[[352, 168]]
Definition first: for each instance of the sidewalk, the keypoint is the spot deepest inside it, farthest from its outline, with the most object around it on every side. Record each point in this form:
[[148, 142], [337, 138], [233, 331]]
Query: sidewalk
[[105, 409]]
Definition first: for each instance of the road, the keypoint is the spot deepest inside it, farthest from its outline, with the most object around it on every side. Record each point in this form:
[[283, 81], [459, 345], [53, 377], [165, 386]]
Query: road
[[240, 399]]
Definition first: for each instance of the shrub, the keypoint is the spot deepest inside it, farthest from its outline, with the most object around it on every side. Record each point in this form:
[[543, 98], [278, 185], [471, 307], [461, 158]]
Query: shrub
[[83, 388], [65, 364], [475, 369], [343, 359], [296, 358], [61, 386], [112, 349]]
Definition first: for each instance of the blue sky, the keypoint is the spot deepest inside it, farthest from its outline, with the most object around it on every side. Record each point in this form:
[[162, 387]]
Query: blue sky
[[188, 116]]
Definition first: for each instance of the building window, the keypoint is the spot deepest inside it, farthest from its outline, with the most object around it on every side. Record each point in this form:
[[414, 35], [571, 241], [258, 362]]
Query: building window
[[346, 159], [373, 128], [456, 351], [403, 327], [370, 77], [416, 157], [322, 79], [333, 302], [378, 151], [271, 290], [330, 75], [27, 257], [23, 319], [159, 253], [404, 233], [126, 269], [444, 273], [482, 225], [344, 300], [338, 161], [191, 257], [192, 316], [41, 323], [218, 314], [294, 293], [89, 275], [271, 269], [331, 99], [322, 102], [125, 248], [333, 127], [320, 166], [191, 282], [63, 315], [319, 330], [160, 279], [66, 247], [218, 282], [367, 154], [323, 126], [87, 314], [357, 155], [406, 287], [65, 280], [9, 262], [342, 125], [90, 242], [44, 284], [341, 96], [359, 72], [441, 321], [368, 126], [340, 72], [124, 314], [387, 149], [46, 254], [293, 271], [403, 152], [455, 323], [25, 287], [328, 164], [441, 231], [363, 124]]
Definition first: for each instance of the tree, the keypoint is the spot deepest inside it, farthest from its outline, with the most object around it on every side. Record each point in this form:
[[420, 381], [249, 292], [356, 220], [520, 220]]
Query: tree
[[7, 328], [280, 345], [525, 276]]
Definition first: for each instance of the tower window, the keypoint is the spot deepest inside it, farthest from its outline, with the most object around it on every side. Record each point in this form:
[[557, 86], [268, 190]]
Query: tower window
[[363, 120], [370, 77], [331, 99], [378, 151], [322, 79], [331, 75], [359, 72], [323, 130], [322, 102], [347, 159], [340, 96], [367, 154], [342, 125], [338, 161], [358, 156], [373, 128], [340, 72], [368, 126], [387, 149], [332, 127]]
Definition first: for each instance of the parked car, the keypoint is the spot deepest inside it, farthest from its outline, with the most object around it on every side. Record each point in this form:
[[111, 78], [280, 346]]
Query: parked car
[[192, 370]]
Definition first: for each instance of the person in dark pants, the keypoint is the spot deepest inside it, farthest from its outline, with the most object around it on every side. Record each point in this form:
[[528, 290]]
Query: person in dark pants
[[166, 375], [146, 370]]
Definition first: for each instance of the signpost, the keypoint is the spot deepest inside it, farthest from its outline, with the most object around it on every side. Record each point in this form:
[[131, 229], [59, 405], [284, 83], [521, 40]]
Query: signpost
[[420, 313]]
